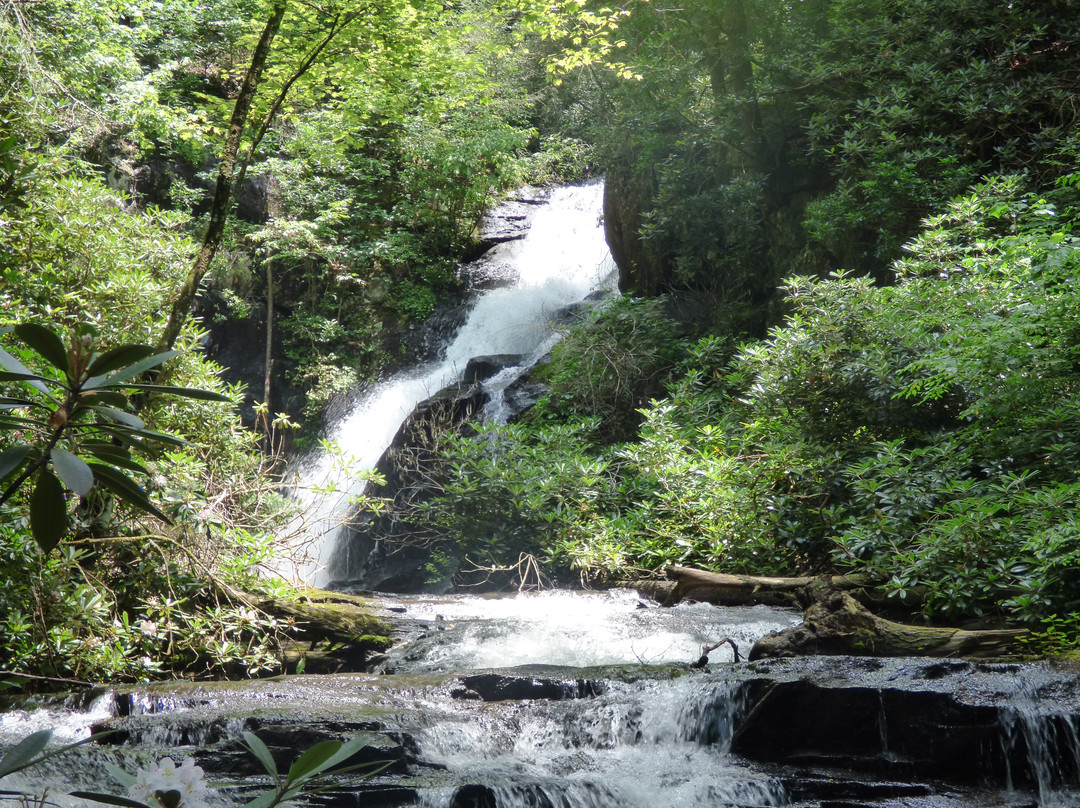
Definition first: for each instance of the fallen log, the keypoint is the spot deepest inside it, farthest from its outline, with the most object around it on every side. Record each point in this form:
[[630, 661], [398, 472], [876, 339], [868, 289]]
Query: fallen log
[[739, 590], [836, 624]]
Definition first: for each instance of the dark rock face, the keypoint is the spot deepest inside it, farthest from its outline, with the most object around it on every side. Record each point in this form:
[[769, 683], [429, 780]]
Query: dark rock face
[[239, 346], [496, 687], [910, 721], [482, 368], [626, 197], [474, 796], [388, 553]]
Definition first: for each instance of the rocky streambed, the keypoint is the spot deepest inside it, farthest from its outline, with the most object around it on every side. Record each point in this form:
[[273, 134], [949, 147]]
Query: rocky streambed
[[590, 701]]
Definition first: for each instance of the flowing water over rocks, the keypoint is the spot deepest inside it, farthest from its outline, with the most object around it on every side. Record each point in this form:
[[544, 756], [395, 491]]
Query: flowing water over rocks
[[589, 700], [580, 700]]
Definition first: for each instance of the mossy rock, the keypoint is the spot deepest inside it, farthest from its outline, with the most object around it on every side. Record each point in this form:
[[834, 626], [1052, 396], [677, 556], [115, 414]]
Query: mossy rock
[[333, 632]]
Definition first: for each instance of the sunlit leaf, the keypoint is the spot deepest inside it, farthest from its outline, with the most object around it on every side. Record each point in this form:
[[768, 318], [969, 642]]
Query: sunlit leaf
[[109, 398], [119, 416], [138, 367], [13, 365], [116, 359], [255, 745], [23, 753], [75, 474], [313, 760]]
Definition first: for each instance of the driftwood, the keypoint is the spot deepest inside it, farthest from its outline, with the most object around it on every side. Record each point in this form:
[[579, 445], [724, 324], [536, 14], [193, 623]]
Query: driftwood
[[837, 624], [738, 590], [836, 620]]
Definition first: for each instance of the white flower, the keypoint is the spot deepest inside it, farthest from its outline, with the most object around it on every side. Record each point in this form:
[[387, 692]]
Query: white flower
[[187, 779], [144, 786], [166, 772], [148, 628]]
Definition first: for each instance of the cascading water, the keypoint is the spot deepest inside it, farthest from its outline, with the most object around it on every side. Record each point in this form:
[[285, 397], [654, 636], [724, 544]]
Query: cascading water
[[561, 261]]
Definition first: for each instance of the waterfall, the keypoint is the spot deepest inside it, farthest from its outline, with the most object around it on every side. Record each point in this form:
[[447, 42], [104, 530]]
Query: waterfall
[[560, 262]]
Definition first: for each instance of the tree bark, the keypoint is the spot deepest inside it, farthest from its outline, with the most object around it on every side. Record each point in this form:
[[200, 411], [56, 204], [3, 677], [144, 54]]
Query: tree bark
[[219, 207], [279, 101], [269, 355], [738, 590], [836, 624]]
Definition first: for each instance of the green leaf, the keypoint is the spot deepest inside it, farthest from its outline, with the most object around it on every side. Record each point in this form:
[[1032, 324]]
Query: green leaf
[[126, 488], [48, 511], [59, 750], [13, 457], [186, 392], [313, 760], [113, 455], [73, 471], [46, 343], [119, 416], [93, 398], [138, 367], [15, 376], [108, 799], [128, 435], [346, 751], [254, 745], [117, 358], [23, 753], [264, 800], [9, 403], [119, 775], [13, 365]]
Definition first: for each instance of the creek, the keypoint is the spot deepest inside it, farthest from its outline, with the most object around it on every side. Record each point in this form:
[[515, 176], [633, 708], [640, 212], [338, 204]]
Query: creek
[[588, 700], [578, 699]]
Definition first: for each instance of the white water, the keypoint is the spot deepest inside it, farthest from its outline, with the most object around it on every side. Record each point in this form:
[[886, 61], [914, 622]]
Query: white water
[[661, 744], [562, 260], [581, 629]]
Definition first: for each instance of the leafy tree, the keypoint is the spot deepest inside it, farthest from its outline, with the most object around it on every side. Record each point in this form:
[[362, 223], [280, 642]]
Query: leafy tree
[[78, 409]]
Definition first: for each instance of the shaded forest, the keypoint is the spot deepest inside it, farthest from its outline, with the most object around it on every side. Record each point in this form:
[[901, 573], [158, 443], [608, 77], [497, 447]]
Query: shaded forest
[[846, 234]]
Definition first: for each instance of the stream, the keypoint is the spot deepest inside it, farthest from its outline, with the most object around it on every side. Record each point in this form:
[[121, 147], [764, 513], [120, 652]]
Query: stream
[[587, 700], [575, 699]]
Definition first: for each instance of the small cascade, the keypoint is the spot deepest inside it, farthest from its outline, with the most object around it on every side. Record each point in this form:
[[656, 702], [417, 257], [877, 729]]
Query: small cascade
[[1041, 748], [561, 261], [646, 744], [649, 742]]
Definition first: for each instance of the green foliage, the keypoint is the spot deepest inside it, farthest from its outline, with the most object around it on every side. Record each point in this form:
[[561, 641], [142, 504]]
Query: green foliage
[[75, 257], [74, 428], [926, 433], [510, 489], [770, 139], [967, 89], [611, 366]]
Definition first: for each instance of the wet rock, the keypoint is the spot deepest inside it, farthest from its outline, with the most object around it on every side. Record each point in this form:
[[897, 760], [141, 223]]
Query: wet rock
[[482, 368], [474, 796], [387, 552], [889, 732], [496, 687]]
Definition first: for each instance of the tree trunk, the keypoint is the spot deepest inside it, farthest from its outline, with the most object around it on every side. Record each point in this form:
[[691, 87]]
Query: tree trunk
[[269, 356], [737, 590], [836, 624], [219, 207]]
